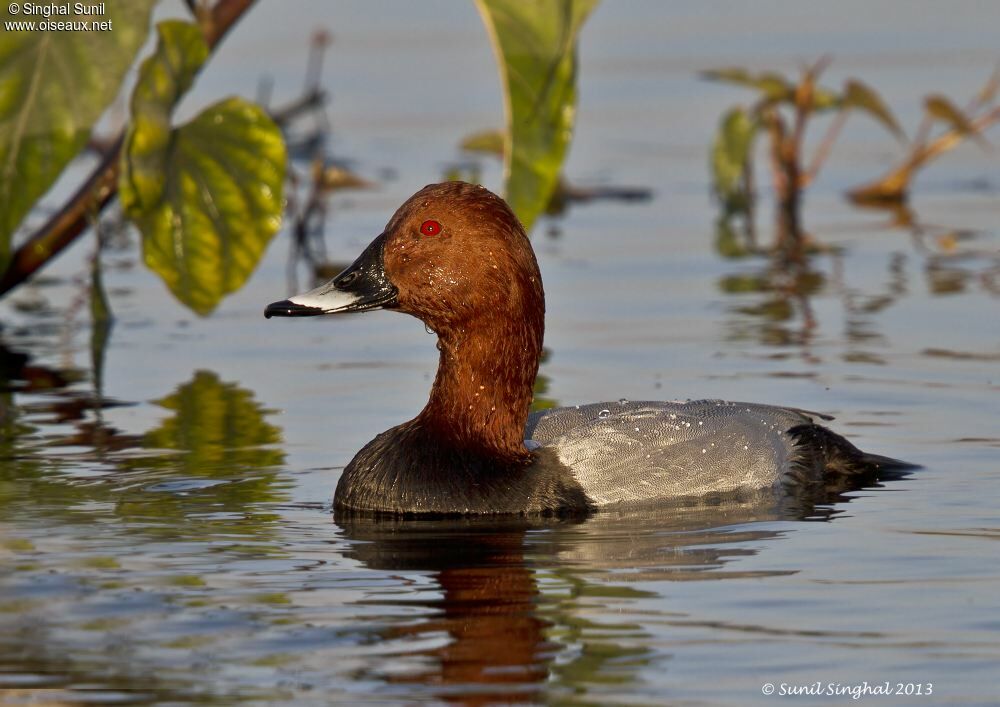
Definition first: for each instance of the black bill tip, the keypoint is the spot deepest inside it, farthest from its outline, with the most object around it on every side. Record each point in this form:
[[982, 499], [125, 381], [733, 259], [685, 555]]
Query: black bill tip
[[287, 308]]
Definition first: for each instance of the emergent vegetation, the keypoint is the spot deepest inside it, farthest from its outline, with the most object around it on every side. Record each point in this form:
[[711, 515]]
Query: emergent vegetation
[[208, 195], [782, 113]]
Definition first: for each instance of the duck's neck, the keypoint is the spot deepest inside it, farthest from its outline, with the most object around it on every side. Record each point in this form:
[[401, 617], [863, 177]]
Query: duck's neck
[[483, 388]]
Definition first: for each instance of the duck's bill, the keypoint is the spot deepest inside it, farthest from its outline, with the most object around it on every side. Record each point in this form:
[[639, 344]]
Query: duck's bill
[[326, 299], [361, 287]]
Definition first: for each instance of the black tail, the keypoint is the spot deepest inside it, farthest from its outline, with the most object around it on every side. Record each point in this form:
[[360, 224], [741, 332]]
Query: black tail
[[826, 460]]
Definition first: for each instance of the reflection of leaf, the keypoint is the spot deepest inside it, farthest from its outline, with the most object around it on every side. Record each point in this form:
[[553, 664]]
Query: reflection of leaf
[[219, 426], [728, 242], [730, 154], [742, 284], [210, 470], [774, 86], [224, 468], [944, 110], [54, 85], [608, 654], [535, 45], [858, 95], [100, 324], [775, 309], [207, 196]]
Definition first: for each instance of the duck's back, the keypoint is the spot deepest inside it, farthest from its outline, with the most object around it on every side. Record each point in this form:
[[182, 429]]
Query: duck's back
[[629, 452]]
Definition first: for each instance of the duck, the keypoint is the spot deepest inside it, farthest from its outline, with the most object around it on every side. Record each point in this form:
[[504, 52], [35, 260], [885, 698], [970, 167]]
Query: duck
[[455, 256]]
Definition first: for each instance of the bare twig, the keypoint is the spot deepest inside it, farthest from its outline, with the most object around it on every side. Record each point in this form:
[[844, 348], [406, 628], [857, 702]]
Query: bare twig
[[804, 96], [893, 186], [101, 186], [68, 223], [314, 98], [320, 41], [823, 150]]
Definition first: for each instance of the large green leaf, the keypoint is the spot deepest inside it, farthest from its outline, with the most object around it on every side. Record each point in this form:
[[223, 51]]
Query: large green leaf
[[54, 85], [535, 45], [221, 203], [164, 78], [730, 153], [207, 196]]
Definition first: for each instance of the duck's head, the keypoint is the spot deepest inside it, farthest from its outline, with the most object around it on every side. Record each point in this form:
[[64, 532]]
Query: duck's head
[[452, 254]]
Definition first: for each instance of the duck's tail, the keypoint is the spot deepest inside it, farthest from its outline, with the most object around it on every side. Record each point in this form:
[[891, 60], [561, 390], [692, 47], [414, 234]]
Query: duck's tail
[[825, 459]]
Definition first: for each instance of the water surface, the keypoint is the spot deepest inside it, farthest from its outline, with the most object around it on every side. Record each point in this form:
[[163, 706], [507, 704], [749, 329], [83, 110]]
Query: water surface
[[165, 528]]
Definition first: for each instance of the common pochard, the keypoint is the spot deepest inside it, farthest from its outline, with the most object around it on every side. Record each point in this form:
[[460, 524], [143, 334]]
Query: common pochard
[[456, 257]]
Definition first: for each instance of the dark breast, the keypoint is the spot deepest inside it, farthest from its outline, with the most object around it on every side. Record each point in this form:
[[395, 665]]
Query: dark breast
[[405, 471]]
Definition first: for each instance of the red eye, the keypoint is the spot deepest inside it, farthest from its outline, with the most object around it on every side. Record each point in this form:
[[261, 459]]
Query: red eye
[[430, 228]]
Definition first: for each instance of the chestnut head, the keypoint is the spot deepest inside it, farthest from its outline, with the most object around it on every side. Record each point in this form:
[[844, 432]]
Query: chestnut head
[[450, 255]]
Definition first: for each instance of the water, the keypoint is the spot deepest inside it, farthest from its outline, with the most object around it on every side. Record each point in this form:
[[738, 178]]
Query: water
[[170, 540]]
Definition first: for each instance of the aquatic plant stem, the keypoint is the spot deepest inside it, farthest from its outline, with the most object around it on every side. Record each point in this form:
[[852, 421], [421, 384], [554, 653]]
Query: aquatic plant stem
[[893, 187], [100, 188], [785, 171], [823, 151], [66, 225]]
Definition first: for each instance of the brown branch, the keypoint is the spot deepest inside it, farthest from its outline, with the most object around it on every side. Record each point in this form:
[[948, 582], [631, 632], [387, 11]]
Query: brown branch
[[776, 131], [101, 186], [313, 99], [805, 95], [823, 151], [893, 186], [68, 224]]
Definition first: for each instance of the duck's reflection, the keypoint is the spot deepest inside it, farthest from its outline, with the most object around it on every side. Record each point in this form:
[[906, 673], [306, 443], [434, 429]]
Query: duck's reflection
[[488, 606], [510, 618]]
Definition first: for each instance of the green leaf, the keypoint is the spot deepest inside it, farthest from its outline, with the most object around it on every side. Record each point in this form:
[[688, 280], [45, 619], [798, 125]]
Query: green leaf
[[730, 153], [774, 86], [221, 203], [54, 85], [825, 99], [944, 110], [858, 95], [535, 45], [207, 196], [489, 141], [164, 78]]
